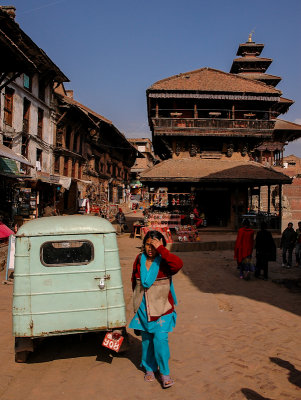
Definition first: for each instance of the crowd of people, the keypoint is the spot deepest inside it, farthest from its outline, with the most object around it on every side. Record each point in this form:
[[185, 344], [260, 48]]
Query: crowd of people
[[265, 248]]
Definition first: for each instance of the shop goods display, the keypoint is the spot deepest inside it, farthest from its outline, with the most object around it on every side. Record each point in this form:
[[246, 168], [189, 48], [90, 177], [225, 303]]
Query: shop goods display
[[163, 220], [164, 230], [187, 233]]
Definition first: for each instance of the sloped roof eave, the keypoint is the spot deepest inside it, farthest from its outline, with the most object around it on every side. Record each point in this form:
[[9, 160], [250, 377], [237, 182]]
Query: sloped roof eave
[[211, 171], [219, 81]]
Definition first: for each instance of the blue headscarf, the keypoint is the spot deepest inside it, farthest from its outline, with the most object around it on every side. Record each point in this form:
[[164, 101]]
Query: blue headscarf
[[148, 277]]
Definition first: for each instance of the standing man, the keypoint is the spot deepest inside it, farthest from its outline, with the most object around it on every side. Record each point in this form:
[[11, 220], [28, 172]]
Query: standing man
[[298, 245], [287, 244], [120, 219], [265, 251]]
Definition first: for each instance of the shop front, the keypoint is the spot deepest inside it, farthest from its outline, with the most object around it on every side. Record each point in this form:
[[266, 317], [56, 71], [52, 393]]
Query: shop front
[[202, 194]]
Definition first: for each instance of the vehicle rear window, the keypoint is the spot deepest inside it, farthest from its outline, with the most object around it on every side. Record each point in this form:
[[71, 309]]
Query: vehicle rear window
[[69, 252]]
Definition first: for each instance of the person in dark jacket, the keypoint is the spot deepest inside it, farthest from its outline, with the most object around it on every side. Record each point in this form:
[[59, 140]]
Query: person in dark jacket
[[287, 244], [298, 245], [120, 219], [265, 251]]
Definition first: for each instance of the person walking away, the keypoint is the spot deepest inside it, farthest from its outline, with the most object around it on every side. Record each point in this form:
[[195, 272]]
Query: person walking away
[[120, 219], [298, 245], [287, 244], [265, 251], [154, 304], [243, 249]]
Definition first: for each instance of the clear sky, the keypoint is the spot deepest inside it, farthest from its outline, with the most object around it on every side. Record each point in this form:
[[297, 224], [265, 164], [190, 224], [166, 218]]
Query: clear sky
[[112, 51]]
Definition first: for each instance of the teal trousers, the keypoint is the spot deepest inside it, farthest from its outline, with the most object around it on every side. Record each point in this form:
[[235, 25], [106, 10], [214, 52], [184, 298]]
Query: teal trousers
[[155, 352]]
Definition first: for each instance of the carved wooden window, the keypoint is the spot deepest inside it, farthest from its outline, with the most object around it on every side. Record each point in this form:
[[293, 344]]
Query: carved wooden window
[[68, 137], [40, 122], [59, 137], [26, 115], [8, 106], [42, 89], [57, 164], [8, 141], [24, 146], [66, 161], [39, 159], [73, 169], [75, 142]]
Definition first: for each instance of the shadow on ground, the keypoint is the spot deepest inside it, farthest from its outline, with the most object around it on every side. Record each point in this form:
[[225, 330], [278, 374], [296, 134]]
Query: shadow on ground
[[216, 272], [294, 376], [82, 345], [252, 395]]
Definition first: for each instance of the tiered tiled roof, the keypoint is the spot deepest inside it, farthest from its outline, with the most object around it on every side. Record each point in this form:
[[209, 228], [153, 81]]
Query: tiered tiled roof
[[198, 170], [213, 80]]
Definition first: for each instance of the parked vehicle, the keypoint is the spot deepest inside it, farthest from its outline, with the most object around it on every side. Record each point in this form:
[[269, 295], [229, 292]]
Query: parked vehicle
[[67, 280]]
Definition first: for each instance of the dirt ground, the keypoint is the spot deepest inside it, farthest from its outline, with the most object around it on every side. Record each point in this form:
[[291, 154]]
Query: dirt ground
[[234, 339]]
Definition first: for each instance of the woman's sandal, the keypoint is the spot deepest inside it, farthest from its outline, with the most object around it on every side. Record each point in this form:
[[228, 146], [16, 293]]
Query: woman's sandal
[[149, 376], [166, 381]]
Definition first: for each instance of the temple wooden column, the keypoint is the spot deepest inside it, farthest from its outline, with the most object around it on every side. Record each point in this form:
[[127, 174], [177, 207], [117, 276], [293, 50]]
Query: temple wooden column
[[195, 111], [280, 207], [236, 217], [269, 200]]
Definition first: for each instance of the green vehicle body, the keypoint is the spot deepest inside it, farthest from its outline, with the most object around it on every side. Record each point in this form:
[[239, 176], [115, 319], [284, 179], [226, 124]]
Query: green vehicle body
[[67, 277]]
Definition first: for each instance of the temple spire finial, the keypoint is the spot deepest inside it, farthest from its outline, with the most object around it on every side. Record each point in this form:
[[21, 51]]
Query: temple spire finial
[[250, 36]]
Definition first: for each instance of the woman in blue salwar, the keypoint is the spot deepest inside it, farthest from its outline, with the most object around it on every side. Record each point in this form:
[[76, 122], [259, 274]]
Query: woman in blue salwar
[[154, 304]]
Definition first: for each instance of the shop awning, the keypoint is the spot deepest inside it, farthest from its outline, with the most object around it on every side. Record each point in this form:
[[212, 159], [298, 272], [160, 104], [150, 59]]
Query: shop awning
[[51, 179], [5, 232], [9, 168], [135, 184], [9, 153]]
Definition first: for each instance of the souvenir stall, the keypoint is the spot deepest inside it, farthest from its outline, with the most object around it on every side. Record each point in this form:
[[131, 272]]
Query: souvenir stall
[[171, 211], [135, 193], [180, 203], [28, 200]]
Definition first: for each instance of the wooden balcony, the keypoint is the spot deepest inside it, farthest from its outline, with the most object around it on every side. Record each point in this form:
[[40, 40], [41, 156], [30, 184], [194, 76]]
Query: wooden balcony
[[212, 126]]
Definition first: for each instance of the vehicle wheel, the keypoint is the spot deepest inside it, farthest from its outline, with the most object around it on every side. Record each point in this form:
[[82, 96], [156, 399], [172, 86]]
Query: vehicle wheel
[[23, 346], [21, 356]]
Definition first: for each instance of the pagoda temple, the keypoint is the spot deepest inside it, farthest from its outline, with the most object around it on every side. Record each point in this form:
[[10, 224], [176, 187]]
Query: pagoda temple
[[214, 130], [250, 65]]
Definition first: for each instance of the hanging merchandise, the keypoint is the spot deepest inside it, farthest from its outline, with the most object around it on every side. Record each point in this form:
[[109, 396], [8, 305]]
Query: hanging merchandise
[[27, 203]]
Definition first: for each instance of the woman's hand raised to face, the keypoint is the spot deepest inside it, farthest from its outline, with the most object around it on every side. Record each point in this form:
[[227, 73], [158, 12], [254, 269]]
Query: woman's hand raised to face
[[156, 242]]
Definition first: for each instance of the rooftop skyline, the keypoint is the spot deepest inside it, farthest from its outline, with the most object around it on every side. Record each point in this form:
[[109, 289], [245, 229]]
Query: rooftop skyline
[[113, 51]]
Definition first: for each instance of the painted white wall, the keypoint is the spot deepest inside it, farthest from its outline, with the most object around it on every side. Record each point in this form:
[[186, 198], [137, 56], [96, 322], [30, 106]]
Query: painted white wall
[[48, 121]]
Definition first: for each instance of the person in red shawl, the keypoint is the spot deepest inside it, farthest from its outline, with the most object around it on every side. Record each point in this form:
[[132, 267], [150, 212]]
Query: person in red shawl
[[198, 218], [244, 248]]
